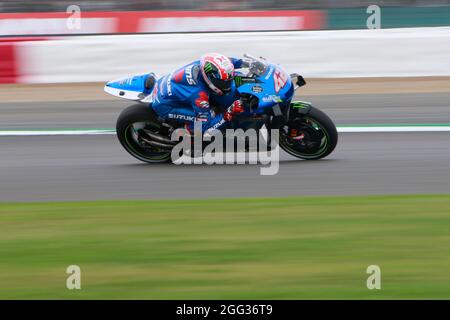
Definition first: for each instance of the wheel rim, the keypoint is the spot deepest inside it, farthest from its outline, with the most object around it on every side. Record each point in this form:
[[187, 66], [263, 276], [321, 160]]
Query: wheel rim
[[136, 149], [313, 144]]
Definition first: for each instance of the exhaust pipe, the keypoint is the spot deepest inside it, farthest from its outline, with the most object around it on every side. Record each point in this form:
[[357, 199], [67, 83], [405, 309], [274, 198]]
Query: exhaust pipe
[[159, 138], [156, 140], [156, 144]]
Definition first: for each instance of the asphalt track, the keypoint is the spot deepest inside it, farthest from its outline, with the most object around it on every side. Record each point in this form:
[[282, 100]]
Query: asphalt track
[[342, 108], [47, 168]]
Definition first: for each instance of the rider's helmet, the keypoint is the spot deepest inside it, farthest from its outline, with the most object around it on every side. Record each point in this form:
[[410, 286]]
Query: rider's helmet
[[217, 71]]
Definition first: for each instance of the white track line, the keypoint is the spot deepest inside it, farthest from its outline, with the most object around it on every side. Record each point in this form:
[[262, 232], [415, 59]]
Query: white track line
[[12, 133], [395, 129], [373, 129]]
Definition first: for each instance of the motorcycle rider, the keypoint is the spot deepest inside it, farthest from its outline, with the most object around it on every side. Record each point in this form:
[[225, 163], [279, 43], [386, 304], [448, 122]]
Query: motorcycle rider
[[188, 93]]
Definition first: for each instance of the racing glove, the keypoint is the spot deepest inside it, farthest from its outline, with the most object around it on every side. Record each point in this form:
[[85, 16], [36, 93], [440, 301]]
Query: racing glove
[[235, 108]]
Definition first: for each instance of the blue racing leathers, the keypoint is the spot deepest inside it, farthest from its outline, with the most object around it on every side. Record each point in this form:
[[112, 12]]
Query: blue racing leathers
[[184, 96]]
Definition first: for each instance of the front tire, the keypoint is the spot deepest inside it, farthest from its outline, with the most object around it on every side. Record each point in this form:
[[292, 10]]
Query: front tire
[[309, 136], [132, 119]]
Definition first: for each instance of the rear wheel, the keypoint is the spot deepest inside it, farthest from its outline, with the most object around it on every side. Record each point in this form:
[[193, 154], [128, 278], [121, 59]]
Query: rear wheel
[[310, 136], [129, 127]]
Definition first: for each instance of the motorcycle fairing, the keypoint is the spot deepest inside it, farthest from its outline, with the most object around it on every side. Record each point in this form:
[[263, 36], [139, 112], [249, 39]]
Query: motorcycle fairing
[[264, 88], [131, 88]]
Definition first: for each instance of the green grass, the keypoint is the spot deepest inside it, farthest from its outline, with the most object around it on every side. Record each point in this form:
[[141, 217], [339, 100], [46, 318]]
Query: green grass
[[292, 248]]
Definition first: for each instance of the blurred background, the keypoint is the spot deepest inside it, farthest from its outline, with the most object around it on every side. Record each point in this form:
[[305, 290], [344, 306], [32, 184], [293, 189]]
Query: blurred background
[[387, 90], [336, 14], [136, 5], [37, 44]]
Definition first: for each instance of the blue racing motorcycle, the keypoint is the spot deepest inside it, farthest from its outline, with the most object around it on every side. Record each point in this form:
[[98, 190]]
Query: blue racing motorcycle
[[267, 93]]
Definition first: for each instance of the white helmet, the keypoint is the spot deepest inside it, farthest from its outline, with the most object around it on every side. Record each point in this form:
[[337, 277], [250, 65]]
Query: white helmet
[[218, 72]]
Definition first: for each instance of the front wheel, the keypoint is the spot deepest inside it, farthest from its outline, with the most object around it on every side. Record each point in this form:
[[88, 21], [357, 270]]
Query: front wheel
[[309, 136]]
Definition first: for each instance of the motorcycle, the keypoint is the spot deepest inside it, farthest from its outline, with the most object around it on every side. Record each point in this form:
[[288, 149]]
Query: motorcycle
[[266, 92]]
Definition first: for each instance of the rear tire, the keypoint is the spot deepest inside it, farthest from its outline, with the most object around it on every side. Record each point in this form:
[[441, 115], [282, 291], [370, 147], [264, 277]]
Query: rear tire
[[144, 116]]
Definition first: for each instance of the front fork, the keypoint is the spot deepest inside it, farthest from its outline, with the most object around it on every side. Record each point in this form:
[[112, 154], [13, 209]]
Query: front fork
[[279, 119]]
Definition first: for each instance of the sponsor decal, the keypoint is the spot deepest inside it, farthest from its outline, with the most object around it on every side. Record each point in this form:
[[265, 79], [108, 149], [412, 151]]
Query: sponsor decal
[[279, 79], [203, 117], [217, 125], [178, 76], [203, 100], [208, 67], [238, 81], [257, 89], [189, 77], [300, 104], [178, 116], [169, 85], [272, 98]]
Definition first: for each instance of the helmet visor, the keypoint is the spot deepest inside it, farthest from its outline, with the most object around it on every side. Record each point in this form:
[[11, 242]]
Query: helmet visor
[[223, 85]]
